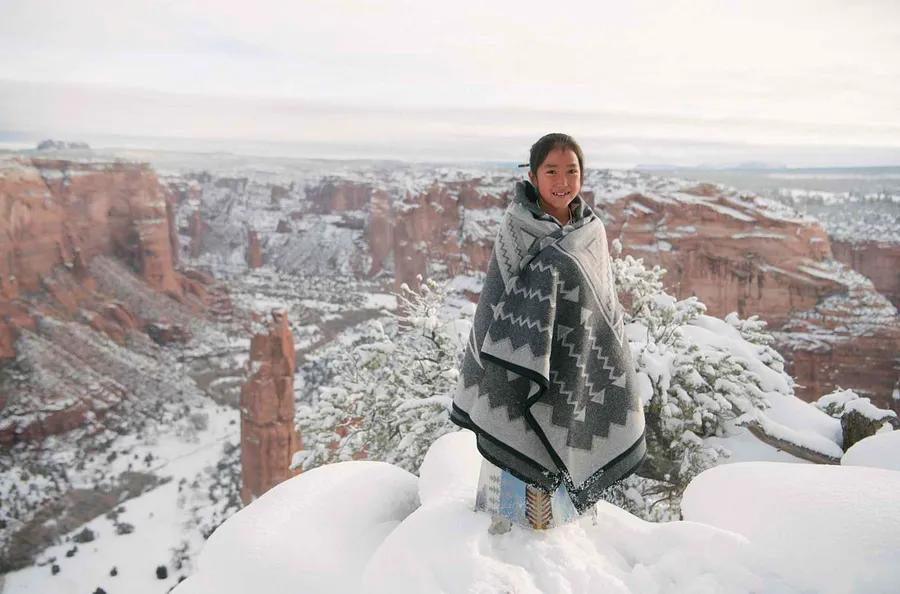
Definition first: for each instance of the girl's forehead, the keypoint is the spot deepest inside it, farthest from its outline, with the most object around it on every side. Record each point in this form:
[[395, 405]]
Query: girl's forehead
[[560, 158]]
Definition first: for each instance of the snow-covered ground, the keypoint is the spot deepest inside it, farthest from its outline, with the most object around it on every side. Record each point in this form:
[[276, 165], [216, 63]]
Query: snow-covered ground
[[161, 527], [367, 527]]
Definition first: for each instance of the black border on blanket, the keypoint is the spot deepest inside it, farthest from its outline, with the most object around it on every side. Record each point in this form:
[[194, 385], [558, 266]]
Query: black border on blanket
[[582, 498]]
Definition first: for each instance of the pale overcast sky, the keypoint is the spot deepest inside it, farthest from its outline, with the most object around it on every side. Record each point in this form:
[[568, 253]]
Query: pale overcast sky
[[802, 82]]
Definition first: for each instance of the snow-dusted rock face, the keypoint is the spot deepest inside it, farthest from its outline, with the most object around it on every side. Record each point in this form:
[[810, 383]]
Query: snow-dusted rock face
[[878, 260], [364, 220], [862, 218], [734, 252], [85, 354], [850, 338]]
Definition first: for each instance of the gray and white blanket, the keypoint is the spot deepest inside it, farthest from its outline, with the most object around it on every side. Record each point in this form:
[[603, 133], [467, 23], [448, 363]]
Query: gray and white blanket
[[547, 381]]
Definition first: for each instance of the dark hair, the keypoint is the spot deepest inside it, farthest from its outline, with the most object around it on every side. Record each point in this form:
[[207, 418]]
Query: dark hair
[[549, 142]]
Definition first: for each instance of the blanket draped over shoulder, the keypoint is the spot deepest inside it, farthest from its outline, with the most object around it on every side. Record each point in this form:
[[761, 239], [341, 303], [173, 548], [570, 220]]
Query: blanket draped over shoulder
[[547, 380]]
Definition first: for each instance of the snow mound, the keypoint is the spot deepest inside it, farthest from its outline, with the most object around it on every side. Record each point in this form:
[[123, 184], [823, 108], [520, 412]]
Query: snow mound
[[450, 469], [312, 533], [881, 450], [831, 528]]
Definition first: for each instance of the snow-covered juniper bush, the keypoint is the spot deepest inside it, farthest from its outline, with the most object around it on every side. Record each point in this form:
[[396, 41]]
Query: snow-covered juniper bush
[[392, 393]]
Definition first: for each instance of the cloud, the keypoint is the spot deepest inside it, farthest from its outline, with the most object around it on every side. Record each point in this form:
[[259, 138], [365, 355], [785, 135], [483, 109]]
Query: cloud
[[321, 129], [766, 72]]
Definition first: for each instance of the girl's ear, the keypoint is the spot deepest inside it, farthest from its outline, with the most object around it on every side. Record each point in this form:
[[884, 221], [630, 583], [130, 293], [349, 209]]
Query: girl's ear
[[531, 177]]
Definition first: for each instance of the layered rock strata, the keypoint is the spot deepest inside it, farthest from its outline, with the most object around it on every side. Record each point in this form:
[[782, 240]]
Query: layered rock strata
[[90, 248], [878, 260], [53, 208], [62, 215], [268, 436]]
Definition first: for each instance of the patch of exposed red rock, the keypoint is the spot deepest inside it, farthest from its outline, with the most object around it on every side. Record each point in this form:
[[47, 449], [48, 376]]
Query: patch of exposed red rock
[[196, 229], [254, 249], [419, 230], [268, 436], [335, 195]]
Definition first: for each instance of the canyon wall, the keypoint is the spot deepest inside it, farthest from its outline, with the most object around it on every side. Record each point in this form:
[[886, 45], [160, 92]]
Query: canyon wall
[[52, 210], [446, 229], [83, 245], [737, 253], [878, 260]]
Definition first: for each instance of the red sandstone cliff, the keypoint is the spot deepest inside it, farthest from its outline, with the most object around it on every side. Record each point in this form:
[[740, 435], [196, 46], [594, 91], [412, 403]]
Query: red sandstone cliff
[[731, 254], [268, 436], [84, 245], [53, 208]]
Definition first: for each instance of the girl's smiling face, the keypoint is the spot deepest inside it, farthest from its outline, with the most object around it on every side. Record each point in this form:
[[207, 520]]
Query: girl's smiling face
[[558, 181]]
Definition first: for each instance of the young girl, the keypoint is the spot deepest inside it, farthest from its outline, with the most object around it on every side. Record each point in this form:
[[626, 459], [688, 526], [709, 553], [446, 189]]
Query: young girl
[[547, 380]]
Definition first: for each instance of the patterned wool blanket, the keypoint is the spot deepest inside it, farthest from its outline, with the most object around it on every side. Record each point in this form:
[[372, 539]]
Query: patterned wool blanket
[[547, 381]]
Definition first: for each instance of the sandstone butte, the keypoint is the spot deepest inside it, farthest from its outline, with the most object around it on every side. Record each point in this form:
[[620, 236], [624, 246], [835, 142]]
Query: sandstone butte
[[268, 436], [734, 252], [67, 230]]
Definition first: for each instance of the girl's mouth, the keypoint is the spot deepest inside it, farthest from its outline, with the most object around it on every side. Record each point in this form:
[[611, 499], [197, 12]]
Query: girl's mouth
[[560, 194]]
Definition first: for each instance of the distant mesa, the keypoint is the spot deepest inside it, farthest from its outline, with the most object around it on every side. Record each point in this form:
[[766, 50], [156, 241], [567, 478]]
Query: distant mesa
[[744, 165], [61, 145]]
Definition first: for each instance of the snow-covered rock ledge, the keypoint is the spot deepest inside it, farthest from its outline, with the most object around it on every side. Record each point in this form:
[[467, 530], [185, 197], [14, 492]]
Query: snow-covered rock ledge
[[368, 527]]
